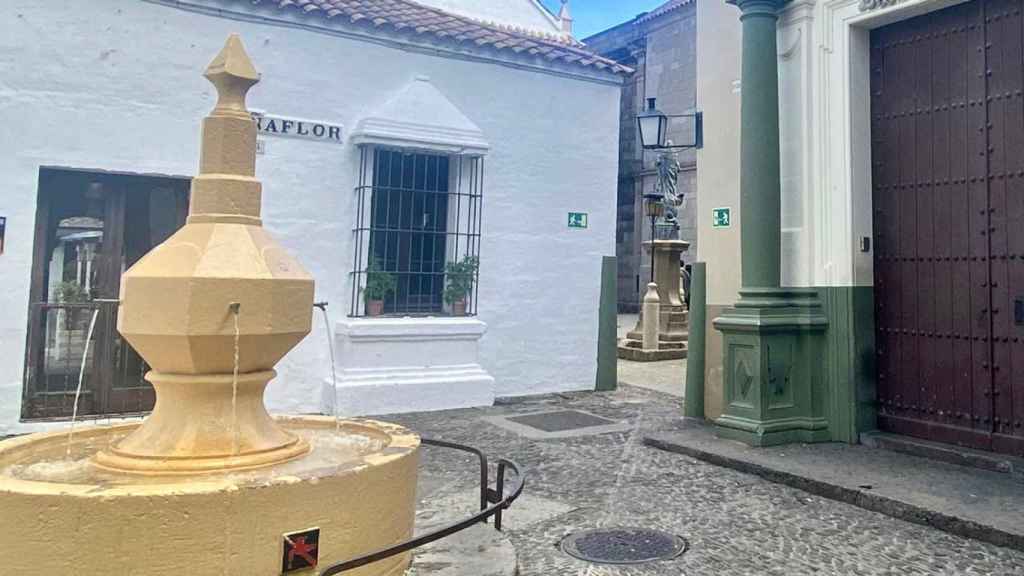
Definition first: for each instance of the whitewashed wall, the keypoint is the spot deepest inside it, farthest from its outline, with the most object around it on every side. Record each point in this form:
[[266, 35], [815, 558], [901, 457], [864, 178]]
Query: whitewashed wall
[[799, 202], [718, 175], [117, 85], [718, 162]]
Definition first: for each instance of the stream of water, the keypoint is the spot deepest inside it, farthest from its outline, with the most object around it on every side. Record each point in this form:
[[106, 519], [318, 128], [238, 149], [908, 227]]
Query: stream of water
[[81, 378], [334, 372]]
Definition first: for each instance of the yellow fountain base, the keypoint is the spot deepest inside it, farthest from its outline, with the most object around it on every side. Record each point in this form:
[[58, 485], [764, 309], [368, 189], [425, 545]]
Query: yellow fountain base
[[190, 430], [62, 515]]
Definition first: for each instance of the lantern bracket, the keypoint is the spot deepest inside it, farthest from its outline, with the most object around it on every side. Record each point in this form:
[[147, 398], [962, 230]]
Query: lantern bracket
[[657, 132]]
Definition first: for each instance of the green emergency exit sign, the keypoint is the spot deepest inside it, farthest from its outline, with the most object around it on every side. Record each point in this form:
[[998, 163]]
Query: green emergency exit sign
[[721, 217], [577, 219]]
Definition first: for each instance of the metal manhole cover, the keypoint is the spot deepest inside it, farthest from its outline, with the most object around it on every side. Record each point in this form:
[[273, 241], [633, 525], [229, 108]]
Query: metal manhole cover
[[623, 545]]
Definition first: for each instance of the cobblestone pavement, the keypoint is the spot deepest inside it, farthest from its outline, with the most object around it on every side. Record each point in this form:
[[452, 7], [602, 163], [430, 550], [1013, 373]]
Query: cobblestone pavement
[[668, 376], [735, 523]]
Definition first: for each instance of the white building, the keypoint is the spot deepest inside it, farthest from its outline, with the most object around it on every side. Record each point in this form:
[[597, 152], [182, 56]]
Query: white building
[[463, 118]]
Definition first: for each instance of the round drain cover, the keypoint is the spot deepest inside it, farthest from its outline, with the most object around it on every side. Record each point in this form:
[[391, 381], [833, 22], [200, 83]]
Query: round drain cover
[[623, 545]]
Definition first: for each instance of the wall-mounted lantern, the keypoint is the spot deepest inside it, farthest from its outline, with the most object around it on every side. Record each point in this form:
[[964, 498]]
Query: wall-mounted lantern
[[653, 124]]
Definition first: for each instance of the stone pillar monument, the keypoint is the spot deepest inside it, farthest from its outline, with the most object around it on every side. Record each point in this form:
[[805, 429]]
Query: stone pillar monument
[[672, 319], [773, 336]]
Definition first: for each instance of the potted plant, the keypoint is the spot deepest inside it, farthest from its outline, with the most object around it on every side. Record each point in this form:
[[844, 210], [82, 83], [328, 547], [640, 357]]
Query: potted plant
[[72, 317], [459, 277], [379, 285], [69, 292]]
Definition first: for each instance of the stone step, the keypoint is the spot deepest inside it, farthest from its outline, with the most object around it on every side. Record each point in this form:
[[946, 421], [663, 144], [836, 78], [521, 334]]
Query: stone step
[[638, 344], [637, 355], [951, 454], [678, 336]]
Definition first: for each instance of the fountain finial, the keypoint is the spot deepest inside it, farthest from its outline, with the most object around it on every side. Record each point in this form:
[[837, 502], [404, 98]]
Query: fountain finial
[[226, 189], [233, 74]]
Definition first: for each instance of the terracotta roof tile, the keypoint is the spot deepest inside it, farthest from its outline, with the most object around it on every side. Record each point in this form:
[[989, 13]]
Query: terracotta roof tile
[[406, 16]]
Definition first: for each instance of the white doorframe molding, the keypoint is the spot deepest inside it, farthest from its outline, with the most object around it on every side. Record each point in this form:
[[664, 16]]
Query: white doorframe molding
[[841, 154]]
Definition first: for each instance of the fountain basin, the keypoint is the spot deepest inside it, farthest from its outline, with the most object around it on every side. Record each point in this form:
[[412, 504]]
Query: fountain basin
[[68, 516]]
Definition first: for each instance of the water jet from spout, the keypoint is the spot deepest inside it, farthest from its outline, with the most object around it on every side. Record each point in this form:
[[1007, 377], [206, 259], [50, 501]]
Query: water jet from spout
[[81, 378]]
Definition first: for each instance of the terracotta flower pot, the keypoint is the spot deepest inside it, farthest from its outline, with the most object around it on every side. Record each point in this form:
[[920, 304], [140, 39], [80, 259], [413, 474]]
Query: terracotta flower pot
[[374, 307], [459, 308]]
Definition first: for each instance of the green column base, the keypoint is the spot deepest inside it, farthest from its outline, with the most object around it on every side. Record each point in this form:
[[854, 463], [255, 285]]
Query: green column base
[[774, 432], [774, 385]]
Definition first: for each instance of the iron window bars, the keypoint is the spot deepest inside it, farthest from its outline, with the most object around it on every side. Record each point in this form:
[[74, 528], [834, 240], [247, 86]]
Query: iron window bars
[[416, 212]]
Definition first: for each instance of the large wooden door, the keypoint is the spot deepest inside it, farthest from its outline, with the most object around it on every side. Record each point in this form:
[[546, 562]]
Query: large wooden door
[[90, 227], [948, 178]]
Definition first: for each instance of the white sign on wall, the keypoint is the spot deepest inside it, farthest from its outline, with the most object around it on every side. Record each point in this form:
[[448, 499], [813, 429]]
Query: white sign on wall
[[283, 126]]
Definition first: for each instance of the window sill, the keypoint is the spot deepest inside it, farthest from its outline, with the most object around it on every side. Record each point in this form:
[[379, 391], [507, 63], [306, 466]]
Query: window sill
[[410, 327]]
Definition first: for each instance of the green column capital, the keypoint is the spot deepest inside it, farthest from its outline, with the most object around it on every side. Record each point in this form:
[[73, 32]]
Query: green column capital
[[758, 7]]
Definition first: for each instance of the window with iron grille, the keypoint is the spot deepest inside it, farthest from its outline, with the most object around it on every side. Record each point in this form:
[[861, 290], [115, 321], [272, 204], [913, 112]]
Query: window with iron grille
[[417, 234]]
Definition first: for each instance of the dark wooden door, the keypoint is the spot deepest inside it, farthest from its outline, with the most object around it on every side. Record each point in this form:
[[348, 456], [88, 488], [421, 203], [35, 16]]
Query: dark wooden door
[[90, 227], [948, 173]]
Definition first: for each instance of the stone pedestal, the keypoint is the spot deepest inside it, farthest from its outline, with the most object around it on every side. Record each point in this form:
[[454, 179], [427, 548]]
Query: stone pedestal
[[673, 328], [774, 383], [667, 254]]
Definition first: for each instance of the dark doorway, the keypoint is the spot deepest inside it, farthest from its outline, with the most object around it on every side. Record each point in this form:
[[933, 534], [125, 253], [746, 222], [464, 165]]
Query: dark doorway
[[90, 227], [948, 173]]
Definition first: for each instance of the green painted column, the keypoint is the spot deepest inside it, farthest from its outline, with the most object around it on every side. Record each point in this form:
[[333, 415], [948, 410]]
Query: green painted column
[[693, 403], [773, 339], [607, 328], [760, 178]]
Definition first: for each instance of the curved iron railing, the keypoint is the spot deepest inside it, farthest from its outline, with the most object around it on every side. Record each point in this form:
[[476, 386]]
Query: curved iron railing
[[492, 503]]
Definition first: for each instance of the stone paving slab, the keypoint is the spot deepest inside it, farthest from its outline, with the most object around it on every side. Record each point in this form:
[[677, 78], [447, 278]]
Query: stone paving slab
[[1002, 463], [736, 523], [477, 551], [961, 500], [666, 376]]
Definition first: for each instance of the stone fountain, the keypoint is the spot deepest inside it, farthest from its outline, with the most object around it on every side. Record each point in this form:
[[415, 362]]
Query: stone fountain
[[210, 483]]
